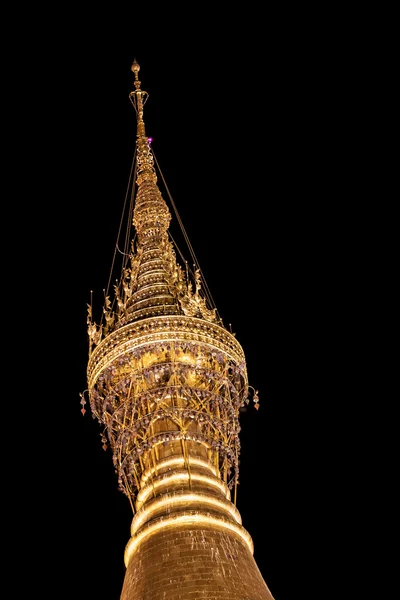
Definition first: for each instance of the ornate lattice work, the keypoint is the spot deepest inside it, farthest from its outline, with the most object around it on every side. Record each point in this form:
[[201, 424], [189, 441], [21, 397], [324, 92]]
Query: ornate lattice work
[[163, 393]]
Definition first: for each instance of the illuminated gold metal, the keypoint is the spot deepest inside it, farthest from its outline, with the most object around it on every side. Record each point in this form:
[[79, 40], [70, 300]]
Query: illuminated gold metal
[[173, 500], [186, 518], [177, 461], [162, 330], [176, 477], [172, 369], [166, 382]]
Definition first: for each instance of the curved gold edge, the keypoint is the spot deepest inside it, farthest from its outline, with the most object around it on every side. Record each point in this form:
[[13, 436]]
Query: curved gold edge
[[95, 367], [174, 499], [126, 347], [109, 348], [176, 477], [173, 319], [186, 519], [178, 460]]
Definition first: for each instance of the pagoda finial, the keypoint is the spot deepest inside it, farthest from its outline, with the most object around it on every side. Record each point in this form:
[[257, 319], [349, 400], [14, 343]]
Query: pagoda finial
[[138, 97], [136, 68]]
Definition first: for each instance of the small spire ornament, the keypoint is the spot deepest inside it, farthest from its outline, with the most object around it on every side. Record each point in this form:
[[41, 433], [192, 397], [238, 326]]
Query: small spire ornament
[[256, 400], [83, 402]]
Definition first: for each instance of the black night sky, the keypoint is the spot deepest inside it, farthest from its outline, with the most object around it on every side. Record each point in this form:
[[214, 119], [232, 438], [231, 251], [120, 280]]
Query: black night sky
[[239, 131]]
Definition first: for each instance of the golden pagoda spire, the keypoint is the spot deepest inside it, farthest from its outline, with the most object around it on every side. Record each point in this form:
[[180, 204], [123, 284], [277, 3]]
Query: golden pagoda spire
[[144, 155], [166, 382], [154, 283]]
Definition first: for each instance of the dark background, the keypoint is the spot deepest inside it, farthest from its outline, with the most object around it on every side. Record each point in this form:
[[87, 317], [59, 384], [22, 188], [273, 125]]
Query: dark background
[[245, 120]]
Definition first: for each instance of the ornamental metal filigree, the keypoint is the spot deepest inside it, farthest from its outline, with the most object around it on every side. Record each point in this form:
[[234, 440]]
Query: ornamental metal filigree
[[157, 393], [165, 377]]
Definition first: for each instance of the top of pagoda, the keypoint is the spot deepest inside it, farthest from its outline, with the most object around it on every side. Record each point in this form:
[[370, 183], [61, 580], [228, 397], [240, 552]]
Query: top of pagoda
[[153, 283]]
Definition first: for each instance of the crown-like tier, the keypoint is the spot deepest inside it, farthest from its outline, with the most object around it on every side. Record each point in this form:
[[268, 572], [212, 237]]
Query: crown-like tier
[[167, 386]]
